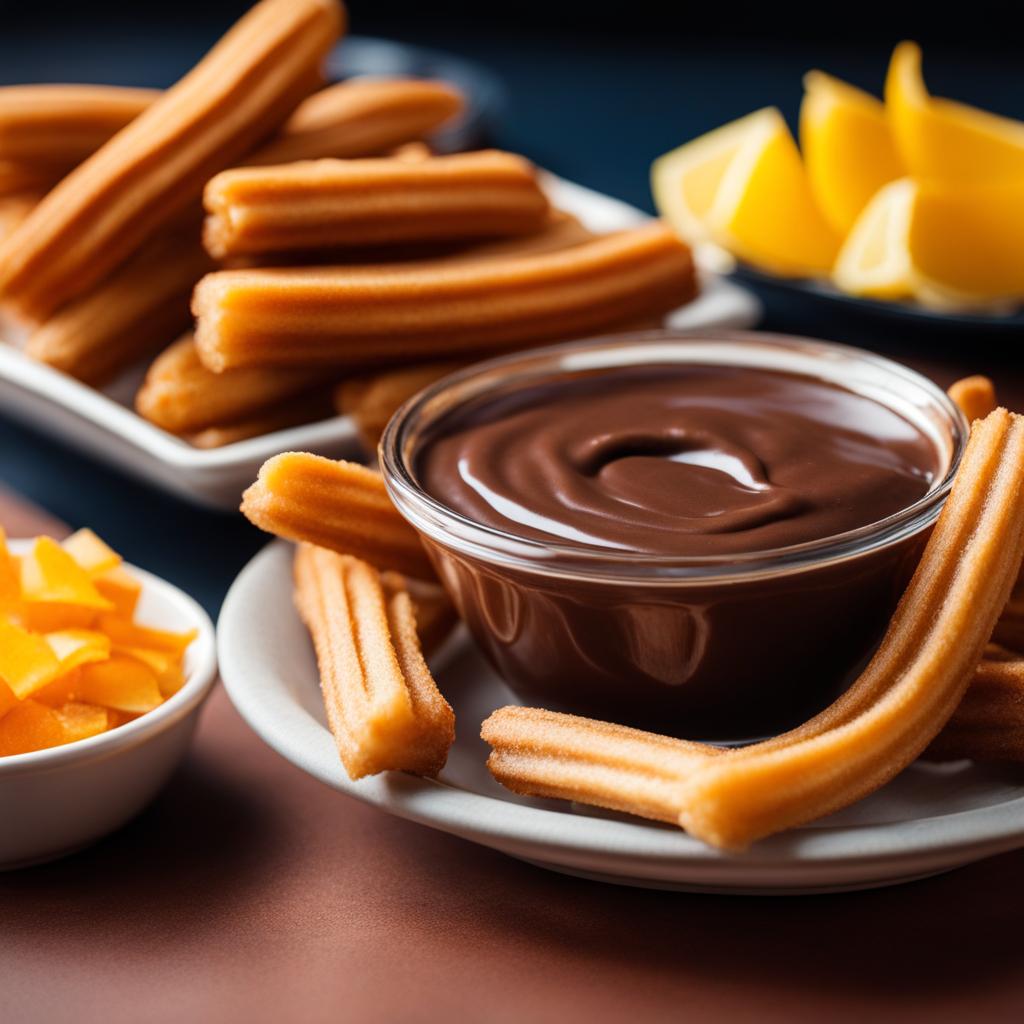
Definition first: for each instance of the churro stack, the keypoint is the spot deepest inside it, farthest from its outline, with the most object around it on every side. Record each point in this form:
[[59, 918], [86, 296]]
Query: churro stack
[[335, 260]]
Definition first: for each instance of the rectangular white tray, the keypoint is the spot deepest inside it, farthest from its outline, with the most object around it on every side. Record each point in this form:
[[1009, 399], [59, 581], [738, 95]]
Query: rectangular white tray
[[103, 423]]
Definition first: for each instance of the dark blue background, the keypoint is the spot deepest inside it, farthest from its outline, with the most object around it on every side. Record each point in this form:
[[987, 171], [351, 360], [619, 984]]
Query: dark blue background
[[595, 92]]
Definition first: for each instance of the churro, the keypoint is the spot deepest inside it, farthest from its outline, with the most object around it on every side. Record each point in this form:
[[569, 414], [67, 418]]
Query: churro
[[14, 209], [976, 397], [60, 125], [304, 408], [19, 177], [336, 505], [183, 396], [130, 314], [363, 117], [157, 166], [435, 614], [382, 703], [893, 711], [358, 316], [372, 400], [337, 204]]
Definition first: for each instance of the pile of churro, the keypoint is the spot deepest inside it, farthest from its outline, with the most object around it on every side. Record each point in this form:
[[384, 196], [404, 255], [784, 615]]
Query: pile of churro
[[281, 250], [947, 681]]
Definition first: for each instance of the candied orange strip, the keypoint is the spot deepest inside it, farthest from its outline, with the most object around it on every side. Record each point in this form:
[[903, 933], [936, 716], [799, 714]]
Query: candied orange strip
[[121, 588], [91, 553], [26, 661], [10, 575], [124, 684], [80, 721], [74, 647], [7, 698], [124, 633], [29, 726], [50, 575]]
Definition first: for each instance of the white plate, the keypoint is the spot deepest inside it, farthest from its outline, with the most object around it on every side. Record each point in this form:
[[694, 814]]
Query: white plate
[[931, 819], [103, 423]]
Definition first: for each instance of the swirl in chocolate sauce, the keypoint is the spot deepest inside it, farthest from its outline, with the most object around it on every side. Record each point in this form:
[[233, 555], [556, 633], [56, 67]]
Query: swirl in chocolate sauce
[[679, 461]]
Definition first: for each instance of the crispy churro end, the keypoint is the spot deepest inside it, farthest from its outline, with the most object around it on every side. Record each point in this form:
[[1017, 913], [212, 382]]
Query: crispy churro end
[[976, 396]]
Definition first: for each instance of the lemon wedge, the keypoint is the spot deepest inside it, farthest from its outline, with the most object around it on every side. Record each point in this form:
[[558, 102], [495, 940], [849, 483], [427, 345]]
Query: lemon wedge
[[743, 186], [965, 245], [945, 141], [847, 147], [685, 181], [874, 261]]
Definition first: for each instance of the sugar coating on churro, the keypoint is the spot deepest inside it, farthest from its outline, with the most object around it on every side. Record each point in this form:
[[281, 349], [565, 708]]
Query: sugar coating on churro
[[338, 505], [356, 316], [383, 706], [63, 124], [976, 397], [362, 117], [129, 315], [337, 204], [156, 166], [183, 396]]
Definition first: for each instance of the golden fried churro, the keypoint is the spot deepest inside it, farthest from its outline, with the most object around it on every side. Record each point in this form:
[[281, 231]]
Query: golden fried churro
[[337, 204], [383, 706], [356, 316], [156, 166], [336, 505], [560, 231], [922, 668], [989, 723], [372, 400], [362, 117], [14, 209], [130, 314], [19, 177], [435, 614], [182, 396], [548, 754], [976, 397], [61, 125], [305, 408]]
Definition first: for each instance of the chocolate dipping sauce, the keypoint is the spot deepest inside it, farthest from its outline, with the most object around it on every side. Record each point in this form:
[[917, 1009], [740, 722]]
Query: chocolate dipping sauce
[[680, 461]]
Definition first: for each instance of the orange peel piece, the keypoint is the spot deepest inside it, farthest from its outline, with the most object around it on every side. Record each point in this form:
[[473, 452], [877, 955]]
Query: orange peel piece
[[27, 663], [383, 706], [121, 683], [29, 726]]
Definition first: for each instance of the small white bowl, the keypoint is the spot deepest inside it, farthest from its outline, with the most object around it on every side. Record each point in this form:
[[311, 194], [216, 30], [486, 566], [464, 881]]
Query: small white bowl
[[55, 801]]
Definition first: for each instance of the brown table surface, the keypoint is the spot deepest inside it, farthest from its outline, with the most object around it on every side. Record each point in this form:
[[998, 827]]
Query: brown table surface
[[248, 891]]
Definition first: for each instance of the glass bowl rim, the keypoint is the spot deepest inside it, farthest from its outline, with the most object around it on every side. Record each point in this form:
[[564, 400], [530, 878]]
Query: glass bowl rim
[[453, 530]]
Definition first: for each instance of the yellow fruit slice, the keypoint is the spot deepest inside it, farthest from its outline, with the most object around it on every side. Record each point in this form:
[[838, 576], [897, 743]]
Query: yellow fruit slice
[[945, 141], [91, 553], [966, 245], [875, 260], [685, 181], [743, 186], [847, 146], [26, 662]]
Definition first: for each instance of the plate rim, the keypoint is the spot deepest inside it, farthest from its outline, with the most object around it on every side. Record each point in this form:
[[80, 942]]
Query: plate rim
[[815, 855]]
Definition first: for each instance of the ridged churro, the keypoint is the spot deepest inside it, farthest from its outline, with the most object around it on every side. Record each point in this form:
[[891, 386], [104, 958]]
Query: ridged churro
[[183, 396], [19, 177], [338, 204], [304, 408], [14, 209], [976, 397], [358, 316], [336, 505], [383, 706], [898, 705], [61, 125], [155, 167], [915, 680], [363, 117], [372, 400], [129, 315]]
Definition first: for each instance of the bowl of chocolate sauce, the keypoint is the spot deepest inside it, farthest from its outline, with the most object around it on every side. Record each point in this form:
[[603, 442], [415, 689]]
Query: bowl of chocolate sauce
[[699, 533]]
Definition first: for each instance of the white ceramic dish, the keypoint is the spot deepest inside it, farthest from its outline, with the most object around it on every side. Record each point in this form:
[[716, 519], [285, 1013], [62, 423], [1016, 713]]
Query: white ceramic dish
[[931, 819], [55, 801], [103, 423]]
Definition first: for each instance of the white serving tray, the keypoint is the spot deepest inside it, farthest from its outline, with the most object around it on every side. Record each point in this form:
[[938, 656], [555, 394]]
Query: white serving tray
[[103, 424]]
